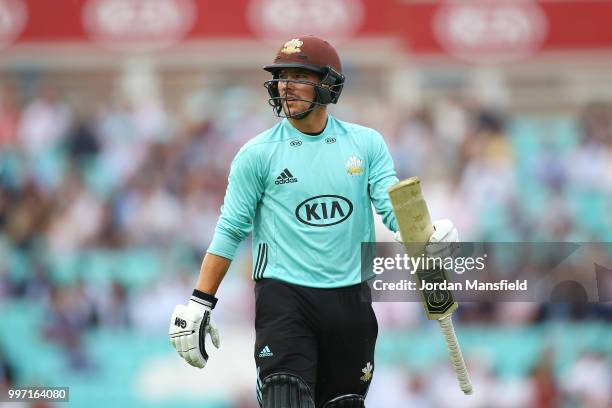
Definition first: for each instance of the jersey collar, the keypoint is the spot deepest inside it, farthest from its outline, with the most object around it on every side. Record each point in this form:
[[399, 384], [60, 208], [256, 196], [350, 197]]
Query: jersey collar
[[294, 133]]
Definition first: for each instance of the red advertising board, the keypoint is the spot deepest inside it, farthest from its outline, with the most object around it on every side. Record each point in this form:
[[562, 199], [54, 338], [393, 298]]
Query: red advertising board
[[494, 28], [498, 28]]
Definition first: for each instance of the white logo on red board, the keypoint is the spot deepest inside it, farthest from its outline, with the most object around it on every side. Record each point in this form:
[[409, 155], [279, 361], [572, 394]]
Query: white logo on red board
[[13, 17], [334, 20], [490, 31], [138, 25]]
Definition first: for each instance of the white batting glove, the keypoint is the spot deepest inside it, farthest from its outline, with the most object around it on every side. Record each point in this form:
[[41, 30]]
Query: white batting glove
[[442, 241], [189, 326]]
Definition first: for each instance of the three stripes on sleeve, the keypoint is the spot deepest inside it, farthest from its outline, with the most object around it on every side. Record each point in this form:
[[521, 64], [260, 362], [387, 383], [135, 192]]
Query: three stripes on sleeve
[[261, 262]]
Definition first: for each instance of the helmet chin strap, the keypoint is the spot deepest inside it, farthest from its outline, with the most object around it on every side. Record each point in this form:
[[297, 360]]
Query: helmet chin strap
[[300, 116], [279, 104]]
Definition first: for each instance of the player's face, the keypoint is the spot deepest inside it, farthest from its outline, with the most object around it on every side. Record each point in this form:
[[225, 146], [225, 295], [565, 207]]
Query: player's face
[[297, 97]]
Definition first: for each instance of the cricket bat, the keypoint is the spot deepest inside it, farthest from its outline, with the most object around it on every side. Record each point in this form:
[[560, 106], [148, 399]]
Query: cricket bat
[[416, 228]]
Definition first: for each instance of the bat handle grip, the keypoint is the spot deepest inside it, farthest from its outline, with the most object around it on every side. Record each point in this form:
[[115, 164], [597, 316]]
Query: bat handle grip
[[454, 351]]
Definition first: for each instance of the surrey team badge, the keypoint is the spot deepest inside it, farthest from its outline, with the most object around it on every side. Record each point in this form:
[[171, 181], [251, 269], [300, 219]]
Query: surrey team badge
[[292, 46], [354, 166]]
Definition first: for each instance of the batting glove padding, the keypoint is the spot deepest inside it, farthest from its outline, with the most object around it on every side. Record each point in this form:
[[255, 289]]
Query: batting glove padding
[[189, 326], [442, 241]]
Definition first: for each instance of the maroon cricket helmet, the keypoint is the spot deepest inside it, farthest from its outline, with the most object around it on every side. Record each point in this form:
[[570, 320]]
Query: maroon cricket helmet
[[313, 54], [307, 52]]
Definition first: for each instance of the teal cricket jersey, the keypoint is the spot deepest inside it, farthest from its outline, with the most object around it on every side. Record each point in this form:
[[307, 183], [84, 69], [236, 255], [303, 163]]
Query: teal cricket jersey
[[308, 200]]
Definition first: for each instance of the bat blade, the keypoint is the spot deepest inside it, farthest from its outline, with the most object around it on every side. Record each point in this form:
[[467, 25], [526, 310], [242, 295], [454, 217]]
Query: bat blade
[[416, 228]]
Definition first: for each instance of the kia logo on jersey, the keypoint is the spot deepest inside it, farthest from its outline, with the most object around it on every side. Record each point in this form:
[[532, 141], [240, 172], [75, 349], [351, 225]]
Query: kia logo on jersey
[[324, 210]]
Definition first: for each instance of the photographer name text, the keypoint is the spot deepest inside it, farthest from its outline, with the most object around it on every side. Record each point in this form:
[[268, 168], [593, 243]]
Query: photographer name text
[[408, 285]]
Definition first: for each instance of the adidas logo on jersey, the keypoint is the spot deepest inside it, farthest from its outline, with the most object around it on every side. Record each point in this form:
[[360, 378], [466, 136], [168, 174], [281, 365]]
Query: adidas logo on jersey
[[285, 178], [266, 352]]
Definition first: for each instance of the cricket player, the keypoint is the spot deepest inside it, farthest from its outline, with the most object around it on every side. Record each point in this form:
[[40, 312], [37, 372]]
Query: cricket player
[[305, 188]]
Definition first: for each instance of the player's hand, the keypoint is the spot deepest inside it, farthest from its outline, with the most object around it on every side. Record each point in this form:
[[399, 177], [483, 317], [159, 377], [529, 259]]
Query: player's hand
[[442, 243], [189, 326]]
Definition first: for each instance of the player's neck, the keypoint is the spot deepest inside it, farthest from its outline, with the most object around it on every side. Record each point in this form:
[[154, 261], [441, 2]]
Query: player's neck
[[313, 123]]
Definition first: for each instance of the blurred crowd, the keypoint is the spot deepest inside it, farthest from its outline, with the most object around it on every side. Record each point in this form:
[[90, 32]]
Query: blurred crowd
[[123, 176]]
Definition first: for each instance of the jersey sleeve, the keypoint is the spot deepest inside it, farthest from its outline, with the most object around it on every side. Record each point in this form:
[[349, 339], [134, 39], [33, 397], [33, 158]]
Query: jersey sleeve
[[382, 176], [243, 193]]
